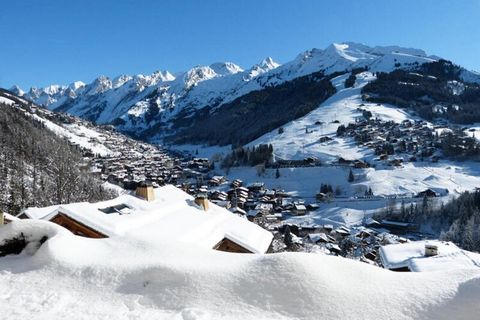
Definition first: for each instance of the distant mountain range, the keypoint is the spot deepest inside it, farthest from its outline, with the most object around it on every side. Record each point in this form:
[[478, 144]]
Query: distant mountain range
[[199, 105]]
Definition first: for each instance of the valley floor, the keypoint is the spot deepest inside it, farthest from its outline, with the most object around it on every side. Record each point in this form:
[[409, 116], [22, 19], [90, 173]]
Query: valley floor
[[389, 185]]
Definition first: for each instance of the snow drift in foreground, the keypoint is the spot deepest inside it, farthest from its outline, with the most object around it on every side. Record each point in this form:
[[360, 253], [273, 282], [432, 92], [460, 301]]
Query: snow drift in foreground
[[78, 278]]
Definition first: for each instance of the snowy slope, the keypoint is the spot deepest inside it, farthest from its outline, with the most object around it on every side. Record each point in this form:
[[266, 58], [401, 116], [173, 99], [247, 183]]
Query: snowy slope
[[78, 132], [87, 138], [78, 278], [296, 143], [6, 101]]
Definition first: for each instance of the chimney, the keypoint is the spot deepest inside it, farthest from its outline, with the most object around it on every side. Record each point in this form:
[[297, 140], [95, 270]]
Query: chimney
[[431, 250], [145, 191], [202, 200], [2, 218]]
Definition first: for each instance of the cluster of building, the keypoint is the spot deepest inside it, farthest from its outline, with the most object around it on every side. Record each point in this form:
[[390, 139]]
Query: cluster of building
[[394, 142], [259, 204], [131, 168]]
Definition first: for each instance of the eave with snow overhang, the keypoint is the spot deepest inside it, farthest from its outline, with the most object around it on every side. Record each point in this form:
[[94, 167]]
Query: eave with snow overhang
[[6, 218], [172, 215]]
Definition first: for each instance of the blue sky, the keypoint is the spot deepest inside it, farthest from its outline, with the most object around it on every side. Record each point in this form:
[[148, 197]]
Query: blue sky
[[45, 42]]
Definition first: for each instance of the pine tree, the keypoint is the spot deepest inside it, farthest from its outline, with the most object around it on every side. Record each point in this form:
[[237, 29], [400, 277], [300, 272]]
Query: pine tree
[[287, 237], [351, 178], [425, 205], [338, 191]]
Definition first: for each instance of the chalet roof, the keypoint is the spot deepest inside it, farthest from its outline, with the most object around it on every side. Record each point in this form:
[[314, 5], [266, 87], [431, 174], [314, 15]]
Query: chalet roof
[[316, 237], [299, 206], [172, 215], [256, 185], [9, 217], [238, 210], [399, 224], [412, 256]]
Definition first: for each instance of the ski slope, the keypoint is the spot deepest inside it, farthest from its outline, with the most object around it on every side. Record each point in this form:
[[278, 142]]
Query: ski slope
[[341, 108]]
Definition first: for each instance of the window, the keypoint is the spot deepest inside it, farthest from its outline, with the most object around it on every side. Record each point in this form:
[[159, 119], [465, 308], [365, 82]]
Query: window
[[119, 208]]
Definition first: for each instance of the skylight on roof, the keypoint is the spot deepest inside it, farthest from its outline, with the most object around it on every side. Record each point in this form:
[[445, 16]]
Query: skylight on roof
[[119, 208]]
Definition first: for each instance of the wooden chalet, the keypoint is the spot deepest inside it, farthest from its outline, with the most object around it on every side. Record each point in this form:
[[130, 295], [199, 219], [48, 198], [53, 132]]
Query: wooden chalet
[[160, 214]]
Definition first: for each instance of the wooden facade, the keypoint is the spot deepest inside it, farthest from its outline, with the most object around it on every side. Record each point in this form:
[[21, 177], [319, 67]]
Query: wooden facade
[[230, 246], [76, 227]]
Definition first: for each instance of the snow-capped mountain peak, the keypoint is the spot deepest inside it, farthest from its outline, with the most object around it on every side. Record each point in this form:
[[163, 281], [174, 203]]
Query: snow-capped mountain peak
[[120, 80], [53, 89], [348, 51], [198, 74], [76, 85], [265, 65], [225, 68], [162, 76], [269, 63], [99, 85], [17, 90]]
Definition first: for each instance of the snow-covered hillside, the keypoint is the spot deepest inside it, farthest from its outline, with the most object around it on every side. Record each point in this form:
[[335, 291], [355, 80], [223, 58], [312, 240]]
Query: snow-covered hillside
[[78, 278], [77, 132], [296, 143]]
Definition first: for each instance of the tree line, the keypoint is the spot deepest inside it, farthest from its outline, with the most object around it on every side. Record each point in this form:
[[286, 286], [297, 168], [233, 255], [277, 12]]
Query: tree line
[[427, 89], [246, 156]]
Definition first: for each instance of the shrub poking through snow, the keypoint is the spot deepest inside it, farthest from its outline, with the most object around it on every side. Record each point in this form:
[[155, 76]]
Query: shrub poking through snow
[[13, 246]]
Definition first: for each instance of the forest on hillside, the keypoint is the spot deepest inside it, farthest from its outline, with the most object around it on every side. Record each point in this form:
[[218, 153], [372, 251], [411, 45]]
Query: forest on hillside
[[432, 90], [255, 113], [38, 168], [457, 221]]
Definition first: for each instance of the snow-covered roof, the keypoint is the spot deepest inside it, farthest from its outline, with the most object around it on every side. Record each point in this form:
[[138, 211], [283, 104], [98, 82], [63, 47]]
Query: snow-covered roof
[[412, 256], [172, 215], [300, 206], [314, 237], [73, 278], [9, 217]]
